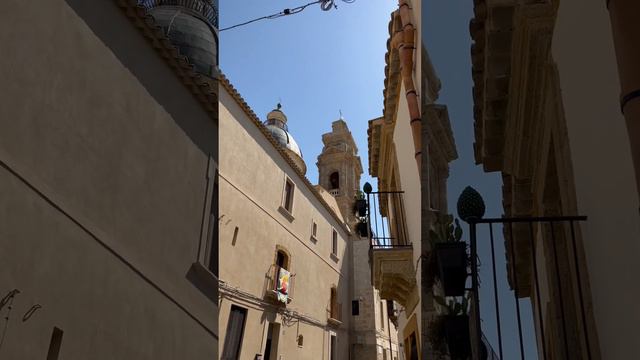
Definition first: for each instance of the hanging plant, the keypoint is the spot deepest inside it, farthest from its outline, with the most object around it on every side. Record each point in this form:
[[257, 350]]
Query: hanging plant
[[448, 260], [361, 228], [360, 205], [449, 332]]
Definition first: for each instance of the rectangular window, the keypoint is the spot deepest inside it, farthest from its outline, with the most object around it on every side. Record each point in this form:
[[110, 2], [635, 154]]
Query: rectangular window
[[355, 308], [314, 229], [235, 331], [288, 195], [413, 347], [381, 315], [334, 243]]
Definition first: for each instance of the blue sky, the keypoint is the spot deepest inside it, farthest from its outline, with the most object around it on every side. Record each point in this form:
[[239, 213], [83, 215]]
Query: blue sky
[[446, 35], [317, 63]]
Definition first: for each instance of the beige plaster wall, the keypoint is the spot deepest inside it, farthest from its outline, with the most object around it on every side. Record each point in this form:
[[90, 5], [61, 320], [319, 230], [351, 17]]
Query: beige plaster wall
[[604, 177], [103, 191], [251, 192]]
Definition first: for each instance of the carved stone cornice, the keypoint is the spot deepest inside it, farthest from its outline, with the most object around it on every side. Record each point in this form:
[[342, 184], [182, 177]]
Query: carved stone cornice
[[511, 39], [440, 133], [394, 275], [373, 140], [518, 201], [392, 72], [430, 82], [531, 51]]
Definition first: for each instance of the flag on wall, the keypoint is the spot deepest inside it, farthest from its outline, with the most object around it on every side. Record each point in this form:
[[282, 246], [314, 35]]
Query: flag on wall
[[283, 285]]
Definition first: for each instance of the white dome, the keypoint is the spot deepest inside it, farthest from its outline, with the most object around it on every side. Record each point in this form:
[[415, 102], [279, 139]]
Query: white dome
[[277, 125], [284, 138]]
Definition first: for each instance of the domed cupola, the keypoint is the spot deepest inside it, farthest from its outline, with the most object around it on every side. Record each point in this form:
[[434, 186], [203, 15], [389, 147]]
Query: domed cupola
[[276, 123], [192, 26]]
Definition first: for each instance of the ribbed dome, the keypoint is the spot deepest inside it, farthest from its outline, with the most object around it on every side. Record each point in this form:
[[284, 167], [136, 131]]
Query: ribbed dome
[[276, 123], [190, 27]]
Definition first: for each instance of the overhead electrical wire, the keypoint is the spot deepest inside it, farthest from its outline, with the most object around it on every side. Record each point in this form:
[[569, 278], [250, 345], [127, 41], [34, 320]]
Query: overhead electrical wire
[[325, 5]]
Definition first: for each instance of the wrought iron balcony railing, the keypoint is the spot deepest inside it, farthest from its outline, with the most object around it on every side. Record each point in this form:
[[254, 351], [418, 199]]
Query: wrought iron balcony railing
[[203, 8], [387, 220]]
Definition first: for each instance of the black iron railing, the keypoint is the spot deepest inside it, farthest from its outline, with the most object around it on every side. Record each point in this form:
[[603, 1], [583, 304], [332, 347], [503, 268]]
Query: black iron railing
[[204, 8], [491, 353], [387, 220], [562, 281]]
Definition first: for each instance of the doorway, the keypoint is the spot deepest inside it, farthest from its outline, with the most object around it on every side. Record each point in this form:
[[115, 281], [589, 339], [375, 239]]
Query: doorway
[[333, 351], [413, 347], [271, 346]]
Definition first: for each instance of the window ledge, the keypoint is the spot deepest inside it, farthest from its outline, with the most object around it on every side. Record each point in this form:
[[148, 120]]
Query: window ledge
[[314, 239], [203, 279], [286, 214], [334, 257], [334, 322]]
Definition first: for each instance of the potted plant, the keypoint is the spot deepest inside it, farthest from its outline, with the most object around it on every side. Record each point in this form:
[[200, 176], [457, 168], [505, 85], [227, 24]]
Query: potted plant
[[360, 206], [451, 258], [361, 228], [452, 329]]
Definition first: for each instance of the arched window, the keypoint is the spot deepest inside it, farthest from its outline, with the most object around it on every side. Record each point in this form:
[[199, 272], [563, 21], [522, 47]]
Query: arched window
[[281, 279], [282, 259], [334, 181]]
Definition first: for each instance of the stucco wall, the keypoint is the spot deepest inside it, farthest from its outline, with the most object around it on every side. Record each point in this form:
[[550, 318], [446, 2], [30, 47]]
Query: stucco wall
[[251, 192], [604, 177], [103, 190], [410, 184]]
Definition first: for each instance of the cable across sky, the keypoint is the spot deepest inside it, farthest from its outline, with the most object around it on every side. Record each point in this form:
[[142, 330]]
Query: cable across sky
[[325, 5]]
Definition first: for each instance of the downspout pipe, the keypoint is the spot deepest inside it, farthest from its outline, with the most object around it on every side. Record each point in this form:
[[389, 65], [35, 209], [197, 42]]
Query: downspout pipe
[[404, 42], [626, 38]]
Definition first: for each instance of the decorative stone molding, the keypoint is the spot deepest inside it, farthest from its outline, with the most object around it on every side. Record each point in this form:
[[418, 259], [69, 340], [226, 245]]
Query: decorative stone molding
[[394, 274]]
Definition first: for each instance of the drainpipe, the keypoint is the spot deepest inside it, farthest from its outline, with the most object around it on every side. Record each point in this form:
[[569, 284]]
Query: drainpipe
[[404, 41], [626, 39]]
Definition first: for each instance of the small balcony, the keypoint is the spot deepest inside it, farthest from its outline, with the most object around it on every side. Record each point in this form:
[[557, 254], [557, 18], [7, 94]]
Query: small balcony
[[335, 314], [391, 251], [279, 286]]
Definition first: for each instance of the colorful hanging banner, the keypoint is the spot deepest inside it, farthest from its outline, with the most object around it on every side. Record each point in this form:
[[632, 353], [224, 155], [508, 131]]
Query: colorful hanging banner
[[283, 285]]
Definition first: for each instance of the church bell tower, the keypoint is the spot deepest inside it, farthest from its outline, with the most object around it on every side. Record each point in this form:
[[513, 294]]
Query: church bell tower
[[339, 168]]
